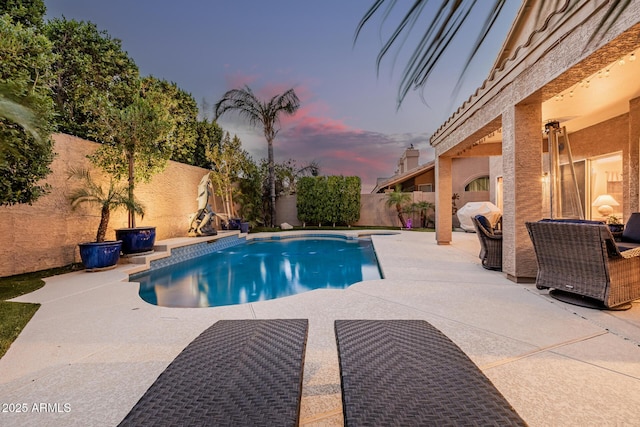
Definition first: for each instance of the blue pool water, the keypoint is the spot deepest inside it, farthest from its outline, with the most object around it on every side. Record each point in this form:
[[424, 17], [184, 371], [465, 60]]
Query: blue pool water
[[261, 270]]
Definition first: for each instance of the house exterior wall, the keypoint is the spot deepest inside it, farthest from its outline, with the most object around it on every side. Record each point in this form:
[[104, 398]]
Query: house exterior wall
[[602, 138], [428, 177], [466, 170], [553, 59], [632, 182], [45, 234], [373, 209]]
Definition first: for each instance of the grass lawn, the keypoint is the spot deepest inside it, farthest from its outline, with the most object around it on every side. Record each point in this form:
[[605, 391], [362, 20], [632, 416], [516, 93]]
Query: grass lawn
[[14, 316]]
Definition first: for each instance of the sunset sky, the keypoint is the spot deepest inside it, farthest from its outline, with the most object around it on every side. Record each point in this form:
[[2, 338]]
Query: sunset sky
[[347, 122]]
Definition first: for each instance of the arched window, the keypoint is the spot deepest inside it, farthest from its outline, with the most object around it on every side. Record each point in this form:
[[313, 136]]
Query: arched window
[[478, 184]]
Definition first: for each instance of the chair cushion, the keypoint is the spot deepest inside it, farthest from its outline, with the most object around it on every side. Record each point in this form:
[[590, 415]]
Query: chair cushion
[[631, 232], [483, 221], [625, 246]]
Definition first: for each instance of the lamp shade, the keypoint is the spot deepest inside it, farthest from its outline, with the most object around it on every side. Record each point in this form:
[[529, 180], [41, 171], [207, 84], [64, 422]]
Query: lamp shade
[[605, 199], [604, 203]]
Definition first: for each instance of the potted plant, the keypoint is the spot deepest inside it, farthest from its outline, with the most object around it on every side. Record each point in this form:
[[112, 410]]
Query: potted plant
[[101, 254], [615, 225], [134, 147]]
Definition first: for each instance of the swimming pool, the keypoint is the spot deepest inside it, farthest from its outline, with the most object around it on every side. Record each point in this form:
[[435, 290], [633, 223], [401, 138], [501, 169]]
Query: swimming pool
[[261, 269]]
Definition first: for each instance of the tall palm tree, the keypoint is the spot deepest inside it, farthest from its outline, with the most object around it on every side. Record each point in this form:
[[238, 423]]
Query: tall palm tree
[[445, 18], [397, 198], [265, 114]]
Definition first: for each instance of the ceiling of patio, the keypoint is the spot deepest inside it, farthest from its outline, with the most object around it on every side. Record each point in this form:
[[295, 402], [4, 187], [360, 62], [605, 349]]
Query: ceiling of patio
[[606, 95]]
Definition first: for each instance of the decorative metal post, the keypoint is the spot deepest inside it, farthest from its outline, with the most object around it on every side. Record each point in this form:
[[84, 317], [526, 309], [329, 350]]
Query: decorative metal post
[[557, 190]]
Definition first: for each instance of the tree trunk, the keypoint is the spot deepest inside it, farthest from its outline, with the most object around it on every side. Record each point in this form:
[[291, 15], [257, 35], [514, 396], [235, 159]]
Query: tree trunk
[[132, 214], [400, 216], [272, 184], [232, 207], [104, 222]]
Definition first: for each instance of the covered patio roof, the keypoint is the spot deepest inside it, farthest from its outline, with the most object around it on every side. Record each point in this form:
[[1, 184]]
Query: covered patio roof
[[597, 87], [549, 69]]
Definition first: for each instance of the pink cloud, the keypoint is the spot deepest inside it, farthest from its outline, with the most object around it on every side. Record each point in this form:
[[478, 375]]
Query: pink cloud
[[313, 135], [238, 80], [341, 150]]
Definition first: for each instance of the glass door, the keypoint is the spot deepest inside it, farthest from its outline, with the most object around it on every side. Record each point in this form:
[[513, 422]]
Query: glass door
[[606, 195]]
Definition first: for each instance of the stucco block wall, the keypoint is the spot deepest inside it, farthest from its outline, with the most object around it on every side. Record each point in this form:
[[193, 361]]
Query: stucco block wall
[[373, 208], [603, 138], [286, 210], [46, 234]]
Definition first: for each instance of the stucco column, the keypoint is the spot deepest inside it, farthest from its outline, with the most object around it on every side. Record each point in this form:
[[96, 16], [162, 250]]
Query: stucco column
[[630, 168], [522, 187], [444, 189]]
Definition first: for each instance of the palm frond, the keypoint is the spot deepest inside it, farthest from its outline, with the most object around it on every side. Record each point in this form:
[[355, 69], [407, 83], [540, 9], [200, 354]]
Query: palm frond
[[91, 192], [486, 28], [21, 115], [613, 13], [443, 25], [241, 101]]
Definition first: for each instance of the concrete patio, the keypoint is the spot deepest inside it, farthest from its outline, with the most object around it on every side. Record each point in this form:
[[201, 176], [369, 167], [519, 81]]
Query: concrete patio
[[94, 347]]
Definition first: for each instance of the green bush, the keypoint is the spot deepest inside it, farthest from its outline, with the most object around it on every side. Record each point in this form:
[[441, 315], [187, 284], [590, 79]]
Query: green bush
[[329, 199]]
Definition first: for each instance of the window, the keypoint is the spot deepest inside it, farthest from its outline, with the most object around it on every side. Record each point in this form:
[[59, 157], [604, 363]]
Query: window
[[606, 180], [478, 184], [426, 188]]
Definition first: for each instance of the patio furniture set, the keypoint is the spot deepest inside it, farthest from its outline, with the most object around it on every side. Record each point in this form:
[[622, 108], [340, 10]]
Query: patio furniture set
[[580, 261]]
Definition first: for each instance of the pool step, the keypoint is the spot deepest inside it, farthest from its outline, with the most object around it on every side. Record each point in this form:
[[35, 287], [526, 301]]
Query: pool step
[[163, 249]]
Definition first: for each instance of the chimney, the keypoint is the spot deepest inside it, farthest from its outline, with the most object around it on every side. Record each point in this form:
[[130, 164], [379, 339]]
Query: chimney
[[409, 159]]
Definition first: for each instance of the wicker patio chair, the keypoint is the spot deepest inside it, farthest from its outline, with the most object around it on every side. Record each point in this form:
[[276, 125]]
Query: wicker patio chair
[[581, 263], [490, 243]]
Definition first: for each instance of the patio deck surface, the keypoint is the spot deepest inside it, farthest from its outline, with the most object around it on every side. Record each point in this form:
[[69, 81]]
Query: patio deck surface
[[94, 347]]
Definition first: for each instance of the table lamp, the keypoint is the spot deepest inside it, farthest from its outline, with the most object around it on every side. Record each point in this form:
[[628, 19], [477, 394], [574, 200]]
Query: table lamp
[[604, 203]]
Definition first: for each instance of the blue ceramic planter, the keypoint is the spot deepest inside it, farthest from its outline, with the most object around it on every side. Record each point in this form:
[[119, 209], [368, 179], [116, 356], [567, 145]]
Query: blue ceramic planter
[[136, 240], [100, 256]]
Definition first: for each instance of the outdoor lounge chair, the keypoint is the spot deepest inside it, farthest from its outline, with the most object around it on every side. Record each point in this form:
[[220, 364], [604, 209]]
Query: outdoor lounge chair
[[408, 373], [237, 372], [490, 243], [581, 263]]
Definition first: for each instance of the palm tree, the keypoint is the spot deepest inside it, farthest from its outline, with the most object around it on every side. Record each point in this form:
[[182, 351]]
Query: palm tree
[[265, 114], [92, 193], [423, 207], [444, 23], [397, 198]]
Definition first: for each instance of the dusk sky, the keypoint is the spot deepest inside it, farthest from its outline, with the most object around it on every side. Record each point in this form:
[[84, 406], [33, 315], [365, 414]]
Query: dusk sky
[[348, 122]]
